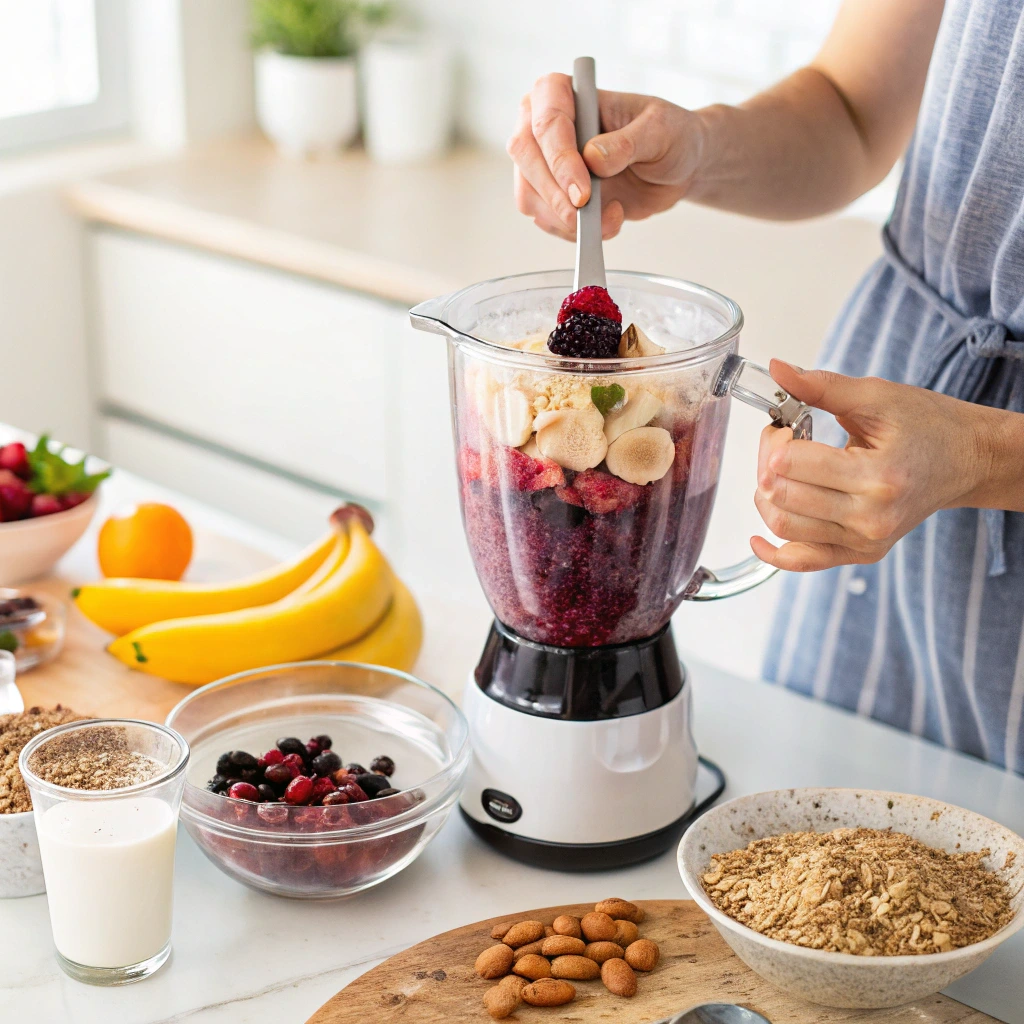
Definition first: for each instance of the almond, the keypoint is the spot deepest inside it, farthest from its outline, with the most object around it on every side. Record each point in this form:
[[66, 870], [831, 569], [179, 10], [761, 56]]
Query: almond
[[500, 1001], [500, 930], [533, 967], [530, 947], [523, 932], [549, 992], [625, 933], [566, 925], [575, 968], [642, 955], [494, 961], [549, 931], [563, 945], [601, 951], [597, 927], [618, 978], [514, 984], [623, 909]]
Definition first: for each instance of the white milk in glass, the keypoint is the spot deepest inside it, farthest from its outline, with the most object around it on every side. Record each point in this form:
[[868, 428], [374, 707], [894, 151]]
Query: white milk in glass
[[109, 868]]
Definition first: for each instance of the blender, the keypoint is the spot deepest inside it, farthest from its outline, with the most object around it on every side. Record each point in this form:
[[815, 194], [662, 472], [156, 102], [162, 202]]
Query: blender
[[586, 488]]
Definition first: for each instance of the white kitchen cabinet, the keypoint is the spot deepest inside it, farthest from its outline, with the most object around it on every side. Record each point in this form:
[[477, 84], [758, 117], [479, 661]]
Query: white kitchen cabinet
[[280, 369]]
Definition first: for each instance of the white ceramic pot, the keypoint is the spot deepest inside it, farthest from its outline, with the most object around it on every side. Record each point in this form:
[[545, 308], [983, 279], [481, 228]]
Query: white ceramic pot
[[306, 105], [407, 98]]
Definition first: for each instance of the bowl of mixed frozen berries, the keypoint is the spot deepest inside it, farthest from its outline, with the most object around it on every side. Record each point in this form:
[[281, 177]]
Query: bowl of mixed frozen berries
[[47, 500], [333, 814]]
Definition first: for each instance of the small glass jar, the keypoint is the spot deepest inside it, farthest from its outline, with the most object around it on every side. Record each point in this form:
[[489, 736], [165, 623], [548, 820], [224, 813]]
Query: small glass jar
[[108, 854], [33, 632]]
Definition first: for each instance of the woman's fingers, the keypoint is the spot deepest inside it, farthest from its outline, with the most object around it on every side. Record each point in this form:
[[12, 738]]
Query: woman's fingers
[[528, 201], [797, 557], [807, 499], [793, 526], [530, 163], [811, 462], [553, 122]]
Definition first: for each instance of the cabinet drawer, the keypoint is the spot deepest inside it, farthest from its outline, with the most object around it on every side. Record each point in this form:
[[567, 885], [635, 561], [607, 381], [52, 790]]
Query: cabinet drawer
[[287, 371]]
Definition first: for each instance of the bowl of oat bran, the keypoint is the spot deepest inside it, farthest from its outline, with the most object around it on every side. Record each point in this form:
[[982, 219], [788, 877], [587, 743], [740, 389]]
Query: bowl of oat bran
[[855, 898]]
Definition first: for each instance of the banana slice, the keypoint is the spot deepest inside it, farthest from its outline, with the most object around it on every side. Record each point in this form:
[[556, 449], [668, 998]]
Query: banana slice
[[574, 438], [639, 410], [531, 449], [635, 343], [642, 455], [508, 416]]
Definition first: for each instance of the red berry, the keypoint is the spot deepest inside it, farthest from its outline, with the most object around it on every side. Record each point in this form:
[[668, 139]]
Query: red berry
[[469, 465], [45, 505], [299, 791], [272, 756], [570, 495], [603, 493], [321, 788], [73, 498], [244, 791], [353, 791], [337, 796], [16, 500], [14, 457], [295, 763], [312, 749], [592, 299], [530, 474]]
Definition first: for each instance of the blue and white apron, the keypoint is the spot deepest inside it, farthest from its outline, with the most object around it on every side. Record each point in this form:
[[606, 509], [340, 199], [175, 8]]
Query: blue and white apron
[[931, 639]]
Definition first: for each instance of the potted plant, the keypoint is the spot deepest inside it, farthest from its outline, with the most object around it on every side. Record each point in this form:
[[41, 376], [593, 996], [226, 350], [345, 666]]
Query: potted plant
[[306, 72]]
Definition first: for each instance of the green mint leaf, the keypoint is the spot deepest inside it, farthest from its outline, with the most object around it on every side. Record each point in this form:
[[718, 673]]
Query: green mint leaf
[[8, 641], [607, 398], [53, 474]]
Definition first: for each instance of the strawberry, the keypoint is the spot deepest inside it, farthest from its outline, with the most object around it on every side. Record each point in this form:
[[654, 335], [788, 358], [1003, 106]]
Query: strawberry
[[603, 493], [529, 474], [469, 465], [14, 457], [570, 495], [15, 499], [592, 299]]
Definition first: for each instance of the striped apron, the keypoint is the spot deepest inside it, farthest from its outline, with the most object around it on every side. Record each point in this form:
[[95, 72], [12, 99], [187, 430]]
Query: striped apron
[[931, 639]]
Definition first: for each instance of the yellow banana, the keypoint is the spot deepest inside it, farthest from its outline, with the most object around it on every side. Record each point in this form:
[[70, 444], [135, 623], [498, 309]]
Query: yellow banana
[[394, 642], [121, 605], [202, 648]]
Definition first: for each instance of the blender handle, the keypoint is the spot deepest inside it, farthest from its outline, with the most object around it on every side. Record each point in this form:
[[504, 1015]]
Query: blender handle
[[753, 385]]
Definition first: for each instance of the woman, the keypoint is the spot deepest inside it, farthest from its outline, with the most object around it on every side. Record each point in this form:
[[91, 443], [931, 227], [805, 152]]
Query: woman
[[911, 606]]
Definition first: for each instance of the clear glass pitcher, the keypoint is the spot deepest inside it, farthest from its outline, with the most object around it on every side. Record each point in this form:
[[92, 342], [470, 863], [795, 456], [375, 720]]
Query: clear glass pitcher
[[587, 486]]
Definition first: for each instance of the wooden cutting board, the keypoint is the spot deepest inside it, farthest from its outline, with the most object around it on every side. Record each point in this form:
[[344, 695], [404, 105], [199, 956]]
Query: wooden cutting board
[[434, 982], [84, 677]]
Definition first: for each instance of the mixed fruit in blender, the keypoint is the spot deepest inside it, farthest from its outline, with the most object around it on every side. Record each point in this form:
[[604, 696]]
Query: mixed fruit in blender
[[586, 488]]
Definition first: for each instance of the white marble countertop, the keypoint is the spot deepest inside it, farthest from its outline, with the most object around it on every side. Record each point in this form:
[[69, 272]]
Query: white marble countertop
[[241, 956]]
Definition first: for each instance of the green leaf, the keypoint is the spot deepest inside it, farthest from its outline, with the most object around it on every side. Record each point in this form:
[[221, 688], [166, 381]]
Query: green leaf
[[315, 28], [53, 474], [607, 398], [8, 641]]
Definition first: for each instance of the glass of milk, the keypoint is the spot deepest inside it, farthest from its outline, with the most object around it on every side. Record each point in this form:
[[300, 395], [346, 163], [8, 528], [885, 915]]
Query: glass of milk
[[105, 794]]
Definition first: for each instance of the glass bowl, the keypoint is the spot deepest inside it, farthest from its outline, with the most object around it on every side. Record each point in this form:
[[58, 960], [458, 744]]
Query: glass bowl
[[35, 635], [322, 852]]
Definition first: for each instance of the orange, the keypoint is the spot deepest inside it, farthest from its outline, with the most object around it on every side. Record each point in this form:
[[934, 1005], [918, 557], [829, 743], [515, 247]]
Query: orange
[[148, 540]]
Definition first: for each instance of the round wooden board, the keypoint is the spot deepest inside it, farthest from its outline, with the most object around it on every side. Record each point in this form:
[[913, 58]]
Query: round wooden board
[[434, 982]]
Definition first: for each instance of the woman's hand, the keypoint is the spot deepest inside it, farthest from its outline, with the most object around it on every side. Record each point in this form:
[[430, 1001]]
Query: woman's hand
[[648, 153], [911, 452]]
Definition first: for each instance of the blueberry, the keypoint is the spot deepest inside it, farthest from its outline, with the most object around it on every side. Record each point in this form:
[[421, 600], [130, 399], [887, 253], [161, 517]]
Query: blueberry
[[382, 765], [324, 741], [224, 765], [242, 759], [372, 784], [267, 793], [326, 763], [217, 784], [291, 745], [355, 768]]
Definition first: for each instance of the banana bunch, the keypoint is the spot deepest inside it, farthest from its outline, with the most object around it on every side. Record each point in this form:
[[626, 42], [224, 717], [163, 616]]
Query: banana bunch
[[338, 600]]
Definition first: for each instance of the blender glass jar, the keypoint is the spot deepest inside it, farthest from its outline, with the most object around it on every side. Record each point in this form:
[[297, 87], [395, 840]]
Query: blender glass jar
[[587, 486]]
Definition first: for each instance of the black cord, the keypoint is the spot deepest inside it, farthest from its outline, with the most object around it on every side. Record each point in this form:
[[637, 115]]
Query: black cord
[[719, 789]]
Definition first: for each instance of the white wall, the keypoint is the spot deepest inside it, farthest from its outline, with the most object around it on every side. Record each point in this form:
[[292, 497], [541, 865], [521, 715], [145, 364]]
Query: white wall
[[692, 52]]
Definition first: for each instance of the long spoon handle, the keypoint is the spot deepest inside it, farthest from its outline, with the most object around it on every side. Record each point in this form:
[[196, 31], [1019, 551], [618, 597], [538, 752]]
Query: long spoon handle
[[589, 250]]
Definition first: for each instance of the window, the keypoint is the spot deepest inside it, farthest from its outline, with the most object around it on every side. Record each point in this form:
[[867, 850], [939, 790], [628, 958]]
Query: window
[[62, 69]]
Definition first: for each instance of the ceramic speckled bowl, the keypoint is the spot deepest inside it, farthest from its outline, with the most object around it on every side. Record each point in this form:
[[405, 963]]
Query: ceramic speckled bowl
[[842, 979]]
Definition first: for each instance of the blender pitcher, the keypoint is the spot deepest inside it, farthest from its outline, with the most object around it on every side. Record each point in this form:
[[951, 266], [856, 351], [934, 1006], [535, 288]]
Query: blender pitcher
[[586, 489]]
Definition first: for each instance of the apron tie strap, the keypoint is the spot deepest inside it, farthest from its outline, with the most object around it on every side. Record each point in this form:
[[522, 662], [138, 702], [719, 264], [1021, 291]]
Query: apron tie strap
[[980, 338]]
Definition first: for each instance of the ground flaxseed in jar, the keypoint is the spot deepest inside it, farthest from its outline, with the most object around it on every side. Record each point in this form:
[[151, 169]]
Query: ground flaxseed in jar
[[15, 732], [866, 891]]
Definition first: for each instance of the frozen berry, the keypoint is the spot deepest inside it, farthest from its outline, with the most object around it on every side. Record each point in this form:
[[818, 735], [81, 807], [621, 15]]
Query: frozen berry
[[326, 763], [224, 765], [390, 791], [278, 775], [603, 493], [217, 784], [337, 796], [272, 813], [382, 765], [355, 768], [372, 784], [529, 474], [591, 299], [14, 457], [585, 336], [470, 467], [353, 791], [267, 793], [312, 749], [321, 787], [324, 740], [46, 505], [295, 763], [272, 756], [291, 745], [242, 759], [299, 791], [244, 791], [247, 774]]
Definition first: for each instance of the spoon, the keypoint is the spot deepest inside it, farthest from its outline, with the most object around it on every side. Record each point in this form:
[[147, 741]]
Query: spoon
[[589, 251], [716, 1013], [10, 695]]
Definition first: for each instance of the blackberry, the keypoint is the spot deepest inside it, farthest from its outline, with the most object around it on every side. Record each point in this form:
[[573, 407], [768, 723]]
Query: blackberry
[[586, 336]]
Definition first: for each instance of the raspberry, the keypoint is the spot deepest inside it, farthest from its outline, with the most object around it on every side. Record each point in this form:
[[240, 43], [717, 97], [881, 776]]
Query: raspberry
[[529, 474], [295, 763], [603, 493], [570, 495], [272, 756], [14, 457], [592, 299], [586, 336]]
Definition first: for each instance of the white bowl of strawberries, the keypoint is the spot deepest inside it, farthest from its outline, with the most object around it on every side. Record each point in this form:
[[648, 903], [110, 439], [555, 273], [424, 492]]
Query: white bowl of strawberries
[[46, 502]]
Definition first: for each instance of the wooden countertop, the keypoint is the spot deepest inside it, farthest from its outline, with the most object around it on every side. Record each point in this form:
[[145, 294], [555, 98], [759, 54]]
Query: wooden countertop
[[407, 233]]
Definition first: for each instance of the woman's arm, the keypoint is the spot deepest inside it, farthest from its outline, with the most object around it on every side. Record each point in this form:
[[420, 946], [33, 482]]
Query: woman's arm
[[806, 146]]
